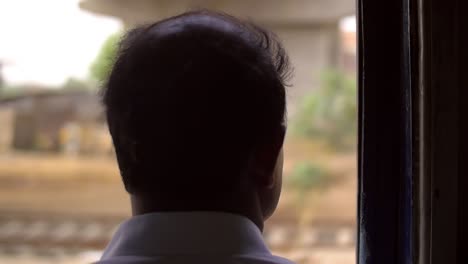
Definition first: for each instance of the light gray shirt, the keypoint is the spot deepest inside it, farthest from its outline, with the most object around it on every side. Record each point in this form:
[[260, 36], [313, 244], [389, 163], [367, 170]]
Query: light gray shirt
[[188, 237]]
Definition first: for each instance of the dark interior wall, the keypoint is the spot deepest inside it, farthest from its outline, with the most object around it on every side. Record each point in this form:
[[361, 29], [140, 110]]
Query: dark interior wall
[[463, 155], [445, 94], [443, 86]]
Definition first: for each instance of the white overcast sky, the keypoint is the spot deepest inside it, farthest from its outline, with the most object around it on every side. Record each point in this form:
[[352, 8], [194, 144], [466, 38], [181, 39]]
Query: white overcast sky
[[48, 41]]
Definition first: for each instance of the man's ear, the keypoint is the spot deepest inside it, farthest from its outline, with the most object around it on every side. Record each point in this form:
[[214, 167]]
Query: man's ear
[[266, 157]]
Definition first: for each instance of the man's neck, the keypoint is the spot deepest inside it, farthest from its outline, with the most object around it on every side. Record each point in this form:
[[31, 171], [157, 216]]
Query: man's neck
[[246, 206]]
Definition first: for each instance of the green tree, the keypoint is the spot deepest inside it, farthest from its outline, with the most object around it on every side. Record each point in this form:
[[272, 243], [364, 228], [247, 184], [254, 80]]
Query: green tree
[[308, 180], [306, 176], [2, 82], [329, 113], [73, 84], [102, 64]]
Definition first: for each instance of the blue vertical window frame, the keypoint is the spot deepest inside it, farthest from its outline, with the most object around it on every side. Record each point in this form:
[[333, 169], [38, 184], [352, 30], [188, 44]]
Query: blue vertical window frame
[[385, 211]]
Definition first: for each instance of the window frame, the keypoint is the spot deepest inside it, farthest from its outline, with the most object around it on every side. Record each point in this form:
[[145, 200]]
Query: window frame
[[385, 158], [413, 189]]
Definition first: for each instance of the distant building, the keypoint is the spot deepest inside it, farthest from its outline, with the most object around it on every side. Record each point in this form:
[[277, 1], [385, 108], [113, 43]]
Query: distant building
[[6, 129], [40, 120], [348, 52]]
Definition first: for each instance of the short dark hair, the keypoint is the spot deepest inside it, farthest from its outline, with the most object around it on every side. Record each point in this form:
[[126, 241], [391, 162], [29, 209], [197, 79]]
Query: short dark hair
[[190, 97]]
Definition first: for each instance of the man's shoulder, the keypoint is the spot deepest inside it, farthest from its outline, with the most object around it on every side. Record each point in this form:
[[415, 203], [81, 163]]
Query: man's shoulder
[[237, 259], [261, 259]]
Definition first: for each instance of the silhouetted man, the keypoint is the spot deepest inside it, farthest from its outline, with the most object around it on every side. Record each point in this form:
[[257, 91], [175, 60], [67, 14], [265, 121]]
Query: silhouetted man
[[196, 109]]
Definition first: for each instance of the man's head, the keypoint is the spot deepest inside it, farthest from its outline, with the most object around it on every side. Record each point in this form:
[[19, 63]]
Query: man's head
[[196, 109]]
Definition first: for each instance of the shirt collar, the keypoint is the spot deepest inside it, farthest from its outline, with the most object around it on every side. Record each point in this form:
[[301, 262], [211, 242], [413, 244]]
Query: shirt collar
[[186, 233]]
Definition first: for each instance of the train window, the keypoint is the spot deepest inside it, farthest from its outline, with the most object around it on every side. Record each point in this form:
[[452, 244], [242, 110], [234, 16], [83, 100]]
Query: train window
[[373, 165], [61, 195]]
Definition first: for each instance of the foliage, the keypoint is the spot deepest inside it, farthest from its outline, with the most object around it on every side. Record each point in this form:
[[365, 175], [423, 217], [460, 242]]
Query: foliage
[[12, 91], [102, 64], [73, 84], [329, 113], [8, 92], [2, 82], [306, 176]]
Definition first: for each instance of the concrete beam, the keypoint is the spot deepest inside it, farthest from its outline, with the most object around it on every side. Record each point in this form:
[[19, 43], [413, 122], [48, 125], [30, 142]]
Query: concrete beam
[[308, 28], [271, 12]]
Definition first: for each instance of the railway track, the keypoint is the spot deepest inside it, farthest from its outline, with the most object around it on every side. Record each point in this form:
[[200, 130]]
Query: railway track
[[48, 234]]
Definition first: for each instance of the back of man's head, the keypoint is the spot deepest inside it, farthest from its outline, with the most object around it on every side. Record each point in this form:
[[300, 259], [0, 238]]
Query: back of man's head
[[191, 100]]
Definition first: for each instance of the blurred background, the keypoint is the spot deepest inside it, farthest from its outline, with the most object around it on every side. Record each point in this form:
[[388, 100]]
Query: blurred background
[[61, 195]]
